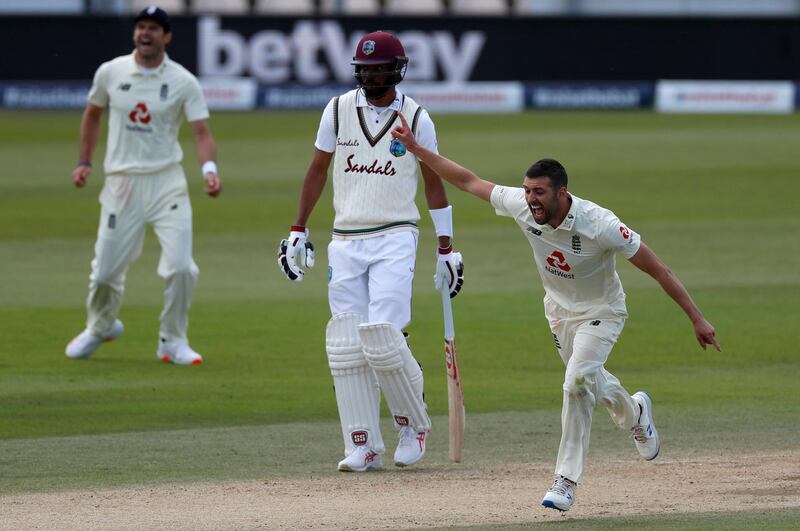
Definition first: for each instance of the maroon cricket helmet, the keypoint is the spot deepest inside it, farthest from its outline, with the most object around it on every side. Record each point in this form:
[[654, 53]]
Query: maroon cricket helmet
[[379, 48]]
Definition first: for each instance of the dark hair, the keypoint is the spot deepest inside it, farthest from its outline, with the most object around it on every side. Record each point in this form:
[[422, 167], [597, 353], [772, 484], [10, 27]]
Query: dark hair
[[549, 168]]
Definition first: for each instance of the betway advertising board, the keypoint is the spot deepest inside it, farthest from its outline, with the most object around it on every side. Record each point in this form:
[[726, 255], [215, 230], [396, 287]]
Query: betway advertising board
[[457, 64], [310, 51], [321, 51]]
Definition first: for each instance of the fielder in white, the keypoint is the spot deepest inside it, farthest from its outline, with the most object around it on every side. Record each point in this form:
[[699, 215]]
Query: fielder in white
[[148, 96], [372, 253], [574, 245]]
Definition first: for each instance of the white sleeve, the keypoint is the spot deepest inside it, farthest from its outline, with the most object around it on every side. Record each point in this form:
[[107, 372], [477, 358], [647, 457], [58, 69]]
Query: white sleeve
[[426, 132], [195, 106], [98, 94], [326, 135], [508, 201], [613, 234]]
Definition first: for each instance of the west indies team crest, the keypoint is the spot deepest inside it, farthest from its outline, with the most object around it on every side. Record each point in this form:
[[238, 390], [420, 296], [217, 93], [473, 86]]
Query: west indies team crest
[[368, 47], [397, 148]]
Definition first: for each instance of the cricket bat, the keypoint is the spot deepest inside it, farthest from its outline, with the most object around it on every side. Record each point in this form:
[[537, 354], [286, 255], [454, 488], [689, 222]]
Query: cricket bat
[[455, 395]]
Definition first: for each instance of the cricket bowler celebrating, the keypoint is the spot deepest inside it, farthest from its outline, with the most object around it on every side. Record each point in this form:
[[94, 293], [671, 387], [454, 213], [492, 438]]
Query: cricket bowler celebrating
[[373, 252], [574, 245], [148, 96]]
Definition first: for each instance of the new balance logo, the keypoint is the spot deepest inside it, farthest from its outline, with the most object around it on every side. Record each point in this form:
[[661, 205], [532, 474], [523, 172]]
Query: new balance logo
[[555, 339], [534, 231], [595, 323], [124, 87]]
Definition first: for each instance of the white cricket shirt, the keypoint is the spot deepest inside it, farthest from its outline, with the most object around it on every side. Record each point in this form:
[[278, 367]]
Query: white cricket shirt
[[145, 113], [326, 135], [576, 260], [374, 177]]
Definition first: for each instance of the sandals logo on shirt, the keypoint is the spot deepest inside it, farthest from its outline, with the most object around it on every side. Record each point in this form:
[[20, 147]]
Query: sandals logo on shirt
[[140, 116], [374, 168]]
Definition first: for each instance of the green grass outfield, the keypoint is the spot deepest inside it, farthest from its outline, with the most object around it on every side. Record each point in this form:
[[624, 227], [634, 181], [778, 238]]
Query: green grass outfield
[[714, 196]]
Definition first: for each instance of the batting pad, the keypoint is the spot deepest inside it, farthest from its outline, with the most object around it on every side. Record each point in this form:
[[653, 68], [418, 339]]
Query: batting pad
[[398, 373], [357, 393]]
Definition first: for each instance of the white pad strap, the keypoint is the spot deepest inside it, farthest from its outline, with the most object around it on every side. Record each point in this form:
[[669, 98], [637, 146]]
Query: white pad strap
[[398, 373], [357, 395]]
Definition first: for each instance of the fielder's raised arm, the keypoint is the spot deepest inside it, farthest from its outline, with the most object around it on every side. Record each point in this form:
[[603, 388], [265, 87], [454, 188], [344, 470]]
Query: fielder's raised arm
[[448, 170]]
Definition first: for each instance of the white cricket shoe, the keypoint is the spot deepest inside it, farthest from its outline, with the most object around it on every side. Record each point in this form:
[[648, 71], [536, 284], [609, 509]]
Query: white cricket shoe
[[561, 495], [644, 433], [86, 342], [361, 460], [411, 447], [178, 352]]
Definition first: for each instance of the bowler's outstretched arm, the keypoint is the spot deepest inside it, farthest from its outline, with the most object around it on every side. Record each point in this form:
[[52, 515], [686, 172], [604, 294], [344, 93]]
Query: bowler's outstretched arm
[[646, 260], [448, 170]]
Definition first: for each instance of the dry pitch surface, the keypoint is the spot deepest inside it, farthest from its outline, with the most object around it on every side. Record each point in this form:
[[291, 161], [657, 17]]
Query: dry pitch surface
[[417, 498]]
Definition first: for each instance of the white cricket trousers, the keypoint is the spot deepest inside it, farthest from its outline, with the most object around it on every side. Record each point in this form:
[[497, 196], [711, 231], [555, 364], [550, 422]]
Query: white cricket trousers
[[129, 204], [373, 277], [584, 345]]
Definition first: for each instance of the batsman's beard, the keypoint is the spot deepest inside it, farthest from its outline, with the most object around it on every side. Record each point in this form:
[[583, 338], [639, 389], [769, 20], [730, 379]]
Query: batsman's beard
[[376, 93]]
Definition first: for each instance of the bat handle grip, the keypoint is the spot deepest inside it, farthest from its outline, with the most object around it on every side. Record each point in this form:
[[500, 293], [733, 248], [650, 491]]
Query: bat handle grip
[[447, 310]]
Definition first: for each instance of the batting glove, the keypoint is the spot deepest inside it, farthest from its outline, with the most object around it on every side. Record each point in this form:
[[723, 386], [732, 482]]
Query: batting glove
[[449, 271], [294, 253]]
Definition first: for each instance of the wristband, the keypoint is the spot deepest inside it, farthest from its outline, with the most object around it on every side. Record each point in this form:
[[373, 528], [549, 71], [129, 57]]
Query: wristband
[[86, 163], [443, 220], [209, 166]]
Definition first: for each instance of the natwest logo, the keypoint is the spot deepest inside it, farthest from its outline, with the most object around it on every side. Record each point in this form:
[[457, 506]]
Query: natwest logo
[[140, 114], [318, 51], [556, 259]]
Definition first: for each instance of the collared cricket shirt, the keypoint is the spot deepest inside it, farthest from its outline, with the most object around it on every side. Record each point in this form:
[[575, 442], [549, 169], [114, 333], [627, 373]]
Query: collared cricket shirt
[[145, 113], [576, 260], [374, 176]]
